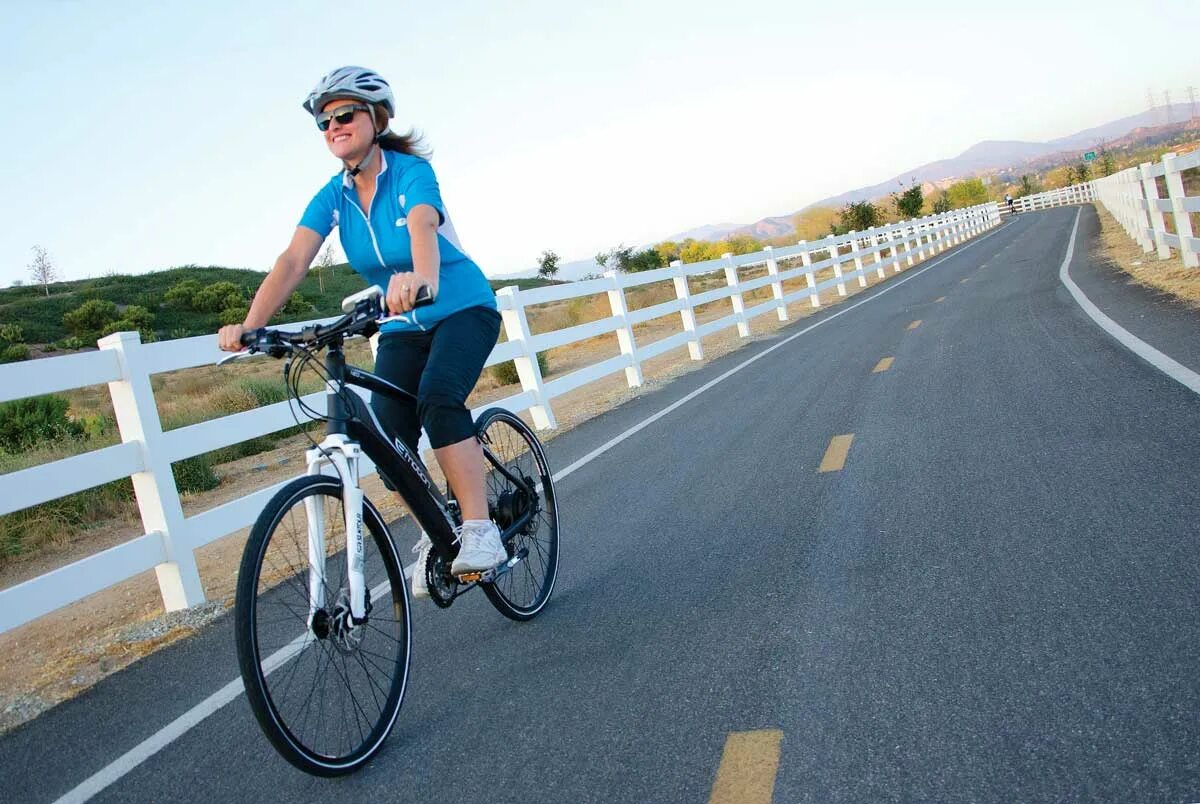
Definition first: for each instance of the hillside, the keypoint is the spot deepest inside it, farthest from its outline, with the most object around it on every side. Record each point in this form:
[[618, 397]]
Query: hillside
[[40, 317]]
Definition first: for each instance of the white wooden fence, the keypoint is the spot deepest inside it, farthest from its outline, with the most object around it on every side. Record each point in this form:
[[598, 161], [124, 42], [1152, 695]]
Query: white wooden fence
[[1074, 194], [1134, 198], [147, 452]]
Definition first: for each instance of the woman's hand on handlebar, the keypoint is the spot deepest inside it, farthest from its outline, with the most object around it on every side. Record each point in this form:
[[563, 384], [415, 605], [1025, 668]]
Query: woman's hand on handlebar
[[402, 291], [229, 338]]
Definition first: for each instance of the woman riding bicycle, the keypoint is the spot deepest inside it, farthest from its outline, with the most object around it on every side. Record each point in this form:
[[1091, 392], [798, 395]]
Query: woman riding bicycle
[[396, 234]]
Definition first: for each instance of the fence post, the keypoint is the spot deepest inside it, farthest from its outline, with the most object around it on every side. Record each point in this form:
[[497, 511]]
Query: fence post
[[837, 268], [874, 238], [739, 305], [1157, 224], [895, 247], [516, 329], [806, 260], [154, 487], [688, 313], [859, 271], [625, 340], [777, 285], [1183, 223], [917, 239]]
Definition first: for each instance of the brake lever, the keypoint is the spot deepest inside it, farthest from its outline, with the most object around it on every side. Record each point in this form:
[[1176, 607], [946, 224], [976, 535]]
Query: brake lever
[[236, 355]]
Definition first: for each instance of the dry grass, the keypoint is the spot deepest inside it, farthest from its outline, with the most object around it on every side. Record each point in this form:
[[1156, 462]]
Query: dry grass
[[1169, 276]]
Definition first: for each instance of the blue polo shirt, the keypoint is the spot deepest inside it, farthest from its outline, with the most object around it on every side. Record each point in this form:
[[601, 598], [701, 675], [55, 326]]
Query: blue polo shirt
[[377, 243]]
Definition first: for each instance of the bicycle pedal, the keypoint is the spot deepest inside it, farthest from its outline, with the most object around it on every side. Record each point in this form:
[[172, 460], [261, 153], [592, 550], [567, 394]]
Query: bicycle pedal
[[470, 577]]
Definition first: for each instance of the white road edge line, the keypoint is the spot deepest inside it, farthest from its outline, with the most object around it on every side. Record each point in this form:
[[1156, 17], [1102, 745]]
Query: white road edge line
[[1173, 369], [184, 723]]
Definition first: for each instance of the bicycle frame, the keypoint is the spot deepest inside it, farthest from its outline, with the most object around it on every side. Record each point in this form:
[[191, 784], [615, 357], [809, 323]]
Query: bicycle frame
[[352, 431]]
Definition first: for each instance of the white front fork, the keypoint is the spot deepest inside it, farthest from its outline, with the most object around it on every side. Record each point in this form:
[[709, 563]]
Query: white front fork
[[343, 455]]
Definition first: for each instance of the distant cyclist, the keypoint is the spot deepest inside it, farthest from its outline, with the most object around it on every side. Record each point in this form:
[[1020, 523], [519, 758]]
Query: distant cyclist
[[1008, 199], [393, 227]]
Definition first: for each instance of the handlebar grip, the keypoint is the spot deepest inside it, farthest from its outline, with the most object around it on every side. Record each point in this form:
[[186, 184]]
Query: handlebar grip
[[251, 337]]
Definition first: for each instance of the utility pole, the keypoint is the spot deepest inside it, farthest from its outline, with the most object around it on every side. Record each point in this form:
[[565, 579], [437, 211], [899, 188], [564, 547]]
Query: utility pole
[[1167, 104], [1150, 102], [1192, 99]]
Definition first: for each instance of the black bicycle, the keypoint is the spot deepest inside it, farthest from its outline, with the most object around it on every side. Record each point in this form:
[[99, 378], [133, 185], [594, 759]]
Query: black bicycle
[[322, 610]]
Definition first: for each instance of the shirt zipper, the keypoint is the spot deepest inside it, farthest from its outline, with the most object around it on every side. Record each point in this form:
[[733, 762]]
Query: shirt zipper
[[371, 231]]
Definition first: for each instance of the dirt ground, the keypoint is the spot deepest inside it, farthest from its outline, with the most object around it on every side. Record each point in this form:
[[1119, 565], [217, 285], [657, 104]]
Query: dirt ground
[[1169, 276], [63, 653]]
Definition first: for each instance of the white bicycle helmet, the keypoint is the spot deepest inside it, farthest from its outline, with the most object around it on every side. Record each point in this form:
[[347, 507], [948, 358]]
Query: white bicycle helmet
[[358, 83]]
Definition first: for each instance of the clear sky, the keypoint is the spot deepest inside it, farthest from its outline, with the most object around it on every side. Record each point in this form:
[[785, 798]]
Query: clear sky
[[145, 135]]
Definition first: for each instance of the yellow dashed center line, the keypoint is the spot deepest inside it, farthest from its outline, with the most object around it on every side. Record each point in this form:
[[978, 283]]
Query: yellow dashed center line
[[939, 299], [915, 324], [835, 455], [964, 279], [883, 365], [749, 765]]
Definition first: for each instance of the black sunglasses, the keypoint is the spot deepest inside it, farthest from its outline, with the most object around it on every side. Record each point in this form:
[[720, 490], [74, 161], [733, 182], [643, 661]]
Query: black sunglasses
[[342, 114]]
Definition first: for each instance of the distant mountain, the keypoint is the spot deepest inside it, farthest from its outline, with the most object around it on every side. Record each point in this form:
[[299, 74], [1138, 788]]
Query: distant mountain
[[989, 155], [986, 156]]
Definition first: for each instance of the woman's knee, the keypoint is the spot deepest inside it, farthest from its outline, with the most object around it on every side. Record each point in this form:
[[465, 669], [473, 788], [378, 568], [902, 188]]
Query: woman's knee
[[445, 418]]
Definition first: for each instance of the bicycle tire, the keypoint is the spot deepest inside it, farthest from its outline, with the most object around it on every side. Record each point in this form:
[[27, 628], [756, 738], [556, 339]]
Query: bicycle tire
[[522, 592], [274, 632]]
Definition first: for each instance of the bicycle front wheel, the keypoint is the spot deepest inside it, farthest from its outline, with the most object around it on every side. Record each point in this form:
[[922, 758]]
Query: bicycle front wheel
[[325, 689], [521, 501]]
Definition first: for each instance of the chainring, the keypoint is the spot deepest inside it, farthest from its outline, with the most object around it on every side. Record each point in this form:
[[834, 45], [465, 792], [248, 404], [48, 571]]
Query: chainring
[[443, 588]]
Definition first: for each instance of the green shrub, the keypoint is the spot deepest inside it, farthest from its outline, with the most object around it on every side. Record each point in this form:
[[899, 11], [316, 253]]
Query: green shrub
[[30, 421], [506, 373], [87, 320], [217, 297], [97, 425], [181, 294], [235, 314], [133, 319], [12, 333], [73, 342], [297, 305], [194, 474], [13, 353]]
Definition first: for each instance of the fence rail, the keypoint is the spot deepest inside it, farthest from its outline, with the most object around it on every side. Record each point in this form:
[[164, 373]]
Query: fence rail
[[1134, 197], [147, 452], [1063, 196]]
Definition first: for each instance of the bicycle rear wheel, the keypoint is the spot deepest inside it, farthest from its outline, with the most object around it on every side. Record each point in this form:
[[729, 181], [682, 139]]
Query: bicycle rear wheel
[[325, 690], [520, 489]]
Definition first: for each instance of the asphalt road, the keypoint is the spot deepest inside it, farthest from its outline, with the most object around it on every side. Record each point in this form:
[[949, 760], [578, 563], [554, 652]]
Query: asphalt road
[[993, 600]]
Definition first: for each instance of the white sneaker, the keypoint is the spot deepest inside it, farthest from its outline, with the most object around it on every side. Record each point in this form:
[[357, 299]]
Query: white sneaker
[[420, 586], [480, 548]]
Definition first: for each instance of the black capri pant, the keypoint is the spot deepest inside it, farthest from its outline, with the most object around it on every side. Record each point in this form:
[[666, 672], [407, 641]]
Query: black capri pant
[[440, 367]]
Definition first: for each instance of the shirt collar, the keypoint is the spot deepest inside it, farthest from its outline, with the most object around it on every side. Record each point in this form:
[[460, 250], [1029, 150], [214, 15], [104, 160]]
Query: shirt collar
[[348, 182]]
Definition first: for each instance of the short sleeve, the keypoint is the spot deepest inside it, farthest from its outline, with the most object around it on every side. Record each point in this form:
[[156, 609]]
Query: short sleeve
[[321, 214], [419, 186]]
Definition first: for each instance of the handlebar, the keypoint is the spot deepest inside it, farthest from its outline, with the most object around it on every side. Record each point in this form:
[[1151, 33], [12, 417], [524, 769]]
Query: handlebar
[[364, 310]]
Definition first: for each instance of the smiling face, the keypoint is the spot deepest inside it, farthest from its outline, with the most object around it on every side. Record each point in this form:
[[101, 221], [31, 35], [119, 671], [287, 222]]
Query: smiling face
[[349, 141]]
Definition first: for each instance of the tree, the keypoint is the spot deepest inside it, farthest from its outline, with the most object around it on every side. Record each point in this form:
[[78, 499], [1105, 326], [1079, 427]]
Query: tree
[[967, 193], [942, 204], [90, 318], [668, 250], [548, 264], [860, 216], [1028, 186], [1108, 165], [324, 263], [42, 269], [1083, 172], [814, 222], [910, 202]]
